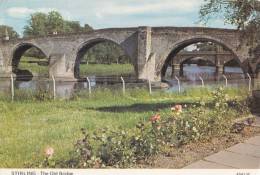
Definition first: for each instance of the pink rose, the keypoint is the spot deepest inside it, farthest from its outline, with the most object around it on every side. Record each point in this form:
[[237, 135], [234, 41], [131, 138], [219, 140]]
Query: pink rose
[[49, 151], [155, 118]]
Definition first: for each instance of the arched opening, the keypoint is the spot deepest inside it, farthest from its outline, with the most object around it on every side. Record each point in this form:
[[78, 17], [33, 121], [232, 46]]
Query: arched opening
[[29, 61], [102, 58], [212, 52]]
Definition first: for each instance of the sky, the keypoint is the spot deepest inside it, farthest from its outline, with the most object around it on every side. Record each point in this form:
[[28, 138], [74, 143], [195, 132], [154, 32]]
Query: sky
[[108, 13]]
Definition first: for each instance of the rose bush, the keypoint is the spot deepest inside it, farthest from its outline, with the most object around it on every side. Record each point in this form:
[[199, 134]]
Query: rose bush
[[126, 148]]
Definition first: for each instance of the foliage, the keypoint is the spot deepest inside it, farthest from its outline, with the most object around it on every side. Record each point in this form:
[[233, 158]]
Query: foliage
[[236, 12], [106, 53], [245, 14], [11, 32], [42, 24], [125, 148]]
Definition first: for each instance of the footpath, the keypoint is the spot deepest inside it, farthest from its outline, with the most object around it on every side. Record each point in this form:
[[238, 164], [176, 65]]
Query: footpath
[[242, 156]]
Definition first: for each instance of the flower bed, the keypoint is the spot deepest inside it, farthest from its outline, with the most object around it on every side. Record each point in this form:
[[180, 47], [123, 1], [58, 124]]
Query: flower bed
[[124, 148]]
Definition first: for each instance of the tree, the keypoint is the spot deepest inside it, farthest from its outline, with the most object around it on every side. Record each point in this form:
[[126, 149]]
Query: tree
[[87, 28], [36, 25], [41, 24], [72, 27], [55, 23], [245, 14], [236, 12], [11, 32]]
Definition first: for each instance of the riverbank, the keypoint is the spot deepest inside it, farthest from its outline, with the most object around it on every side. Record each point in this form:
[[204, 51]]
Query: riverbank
[[29, 126], [40, 67]]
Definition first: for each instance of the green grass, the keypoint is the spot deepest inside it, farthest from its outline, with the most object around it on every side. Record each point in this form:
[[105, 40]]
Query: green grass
[[106, 70], [28, 126], [85, 69], [33, 67]]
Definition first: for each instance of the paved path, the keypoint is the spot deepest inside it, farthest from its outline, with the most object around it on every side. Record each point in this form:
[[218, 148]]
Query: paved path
[[243, 155]]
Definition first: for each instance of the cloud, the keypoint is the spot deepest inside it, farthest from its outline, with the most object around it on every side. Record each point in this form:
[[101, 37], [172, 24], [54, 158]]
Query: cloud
[[147, 7], [23, 12], [19, 12]]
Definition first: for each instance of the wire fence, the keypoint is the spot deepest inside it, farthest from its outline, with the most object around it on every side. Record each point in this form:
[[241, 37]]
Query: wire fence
[[65, 88]]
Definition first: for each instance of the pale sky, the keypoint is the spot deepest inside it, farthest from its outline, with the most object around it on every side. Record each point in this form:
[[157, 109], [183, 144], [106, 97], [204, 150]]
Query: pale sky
[[108, 13]]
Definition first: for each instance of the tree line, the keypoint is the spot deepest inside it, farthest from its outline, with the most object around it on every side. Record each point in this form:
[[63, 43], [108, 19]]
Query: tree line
[[52, 23]]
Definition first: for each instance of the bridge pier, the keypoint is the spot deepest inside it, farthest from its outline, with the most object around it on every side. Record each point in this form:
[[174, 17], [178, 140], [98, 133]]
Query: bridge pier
[[5, 71], [219, 69], [219, 72], [146, 58], [60, 68], [177, 70]]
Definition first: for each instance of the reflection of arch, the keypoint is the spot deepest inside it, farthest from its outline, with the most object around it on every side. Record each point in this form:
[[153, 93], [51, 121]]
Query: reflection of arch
[[18, 52], [196, 60], [186, 42], [84, 47], [231, 63]]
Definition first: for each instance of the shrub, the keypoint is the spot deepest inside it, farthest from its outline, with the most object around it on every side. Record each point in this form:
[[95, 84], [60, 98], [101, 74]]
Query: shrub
[[125, 148]]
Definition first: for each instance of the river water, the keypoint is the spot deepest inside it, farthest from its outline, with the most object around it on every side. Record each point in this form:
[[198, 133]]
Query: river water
[[191, 78]]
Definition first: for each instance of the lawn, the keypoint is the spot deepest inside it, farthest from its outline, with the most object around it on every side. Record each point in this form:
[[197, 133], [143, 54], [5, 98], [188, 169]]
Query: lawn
[[28, 126], [85, 69]]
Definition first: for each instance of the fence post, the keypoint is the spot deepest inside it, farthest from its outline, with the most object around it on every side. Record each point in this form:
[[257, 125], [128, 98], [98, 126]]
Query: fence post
[[250, 82], [202, 81], [179, 84], [150, 86], [54, 87], [226, 80], [12, 87], [89, 86], [123, 82]]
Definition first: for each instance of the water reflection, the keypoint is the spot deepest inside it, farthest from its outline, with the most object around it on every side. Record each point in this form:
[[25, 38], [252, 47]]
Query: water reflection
[[191, 74]]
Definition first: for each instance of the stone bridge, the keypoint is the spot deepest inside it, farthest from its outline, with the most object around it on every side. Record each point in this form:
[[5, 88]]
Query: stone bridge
[[218, 58], [150, 48]]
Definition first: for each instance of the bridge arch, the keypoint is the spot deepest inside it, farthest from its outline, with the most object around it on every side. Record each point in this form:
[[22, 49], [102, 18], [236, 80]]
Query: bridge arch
[[19, 50], [83, 47], [181, 44]]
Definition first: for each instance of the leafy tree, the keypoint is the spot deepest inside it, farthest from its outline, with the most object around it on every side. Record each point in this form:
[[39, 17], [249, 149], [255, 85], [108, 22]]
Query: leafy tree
[[11, 32], [235, 12], [72, 26], [245, 14], [36, 25], [87, 28], [55, 23]]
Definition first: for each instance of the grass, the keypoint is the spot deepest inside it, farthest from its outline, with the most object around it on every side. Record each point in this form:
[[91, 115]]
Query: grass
[[34, 67], [28, 126], [106, 70], [85, 69]]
